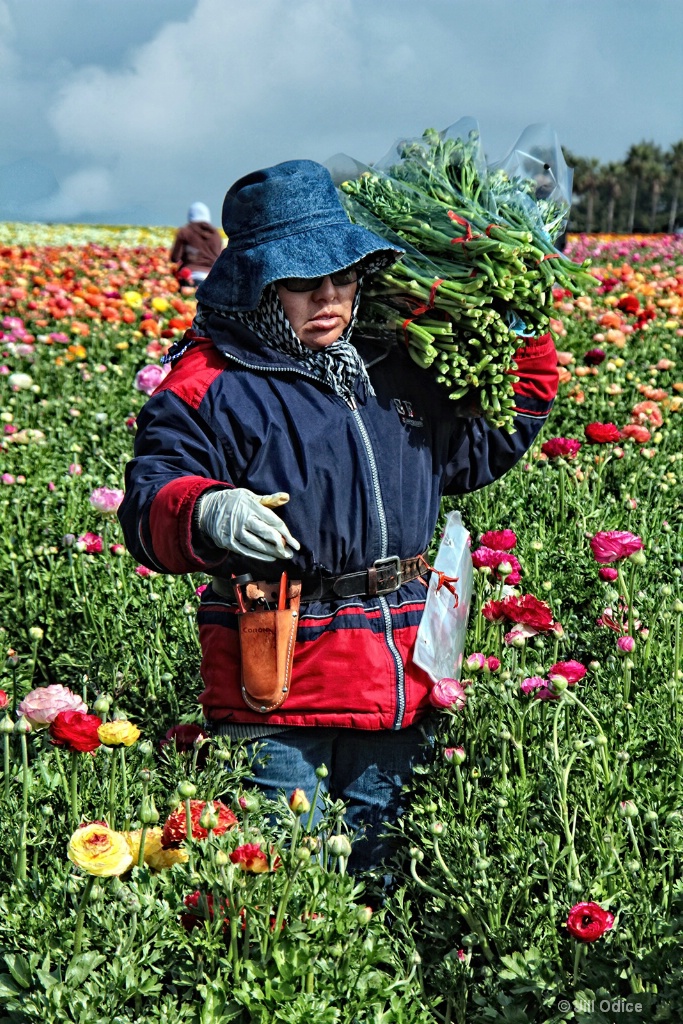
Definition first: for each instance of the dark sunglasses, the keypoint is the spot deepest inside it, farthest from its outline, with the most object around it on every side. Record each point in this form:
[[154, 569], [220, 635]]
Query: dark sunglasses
[[310, 284]]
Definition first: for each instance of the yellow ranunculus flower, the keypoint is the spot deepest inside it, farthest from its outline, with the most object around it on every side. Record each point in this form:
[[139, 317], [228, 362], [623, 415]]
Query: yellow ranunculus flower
[[100, 851], [134, 299], [155, 856], [161, 305], [119, 733]]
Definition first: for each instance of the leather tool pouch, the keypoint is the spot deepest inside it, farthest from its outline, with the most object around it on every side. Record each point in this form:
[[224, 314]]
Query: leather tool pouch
[[267, 647]]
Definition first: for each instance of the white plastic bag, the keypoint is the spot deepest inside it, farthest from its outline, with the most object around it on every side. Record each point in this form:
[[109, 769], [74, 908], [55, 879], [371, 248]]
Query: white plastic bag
[[440, 642]]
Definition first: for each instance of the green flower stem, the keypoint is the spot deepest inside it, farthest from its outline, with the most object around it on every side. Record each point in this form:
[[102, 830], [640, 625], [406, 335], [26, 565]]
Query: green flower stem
[[73, 788], [473, 923], [578, 954], [631, 593], [282, 906], [559, 520], [677, 646], [112, 791], [6, 764], [143, 839], [626, 684], [80, 916], [461, 790], [124, 788], [567, 694], [23, 818], [314, 804]]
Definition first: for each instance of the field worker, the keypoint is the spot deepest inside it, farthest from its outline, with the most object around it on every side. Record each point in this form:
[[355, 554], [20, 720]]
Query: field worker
[[302, 467], [196, 246]]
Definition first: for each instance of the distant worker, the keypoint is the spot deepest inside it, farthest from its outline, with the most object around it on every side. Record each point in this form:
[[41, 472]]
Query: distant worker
[[196, 246]]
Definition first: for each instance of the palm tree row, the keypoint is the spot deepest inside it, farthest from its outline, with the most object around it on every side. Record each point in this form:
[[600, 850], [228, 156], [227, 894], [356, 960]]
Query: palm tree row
[[639, 193]]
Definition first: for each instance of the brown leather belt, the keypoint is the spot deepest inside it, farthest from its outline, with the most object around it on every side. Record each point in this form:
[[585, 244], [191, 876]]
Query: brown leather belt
[[383, 577]]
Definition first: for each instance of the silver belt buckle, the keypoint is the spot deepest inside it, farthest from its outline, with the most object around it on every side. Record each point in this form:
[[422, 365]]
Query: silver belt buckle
[[388, 574]]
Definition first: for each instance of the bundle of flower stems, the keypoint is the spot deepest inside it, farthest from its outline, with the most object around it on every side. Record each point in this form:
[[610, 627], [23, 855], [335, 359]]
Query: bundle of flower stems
[[480, 262]]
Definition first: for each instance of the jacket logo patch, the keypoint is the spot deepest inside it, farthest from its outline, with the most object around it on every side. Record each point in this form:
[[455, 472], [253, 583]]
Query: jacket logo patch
[[406, 413]]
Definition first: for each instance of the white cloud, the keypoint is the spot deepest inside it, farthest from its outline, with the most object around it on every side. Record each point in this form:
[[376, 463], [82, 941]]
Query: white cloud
[[238, 85]]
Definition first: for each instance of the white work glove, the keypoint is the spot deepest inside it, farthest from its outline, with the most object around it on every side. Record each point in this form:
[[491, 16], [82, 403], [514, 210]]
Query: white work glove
[[241, 521]]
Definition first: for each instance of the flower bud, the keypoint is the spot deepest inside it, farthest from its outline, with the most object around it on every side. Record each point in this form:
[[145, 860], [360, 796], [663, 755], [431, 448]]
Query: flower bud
[[146, 748], [416, 854], [303, 854], [476, 662], [22, 726], [363, 915], [625, 644], [431, 807], [102, 704], [339, 846], [678, 606], [650, 816], [600, 740], [628, 809], [623, 755], [437, 828], [6, 726], [36, 633], [222, 858], [149, 815], [209, 819], [321, 772], [187, 791], [638, 557], [299, 802], [454, 755], [558, 683], [246, 802], [312, 843], [145, 775]]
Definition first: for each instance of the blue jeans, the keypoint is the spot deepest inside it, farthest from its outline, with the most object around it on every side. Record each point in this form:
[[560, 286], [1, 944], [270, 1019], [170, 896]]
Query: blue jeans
[[367, 770]]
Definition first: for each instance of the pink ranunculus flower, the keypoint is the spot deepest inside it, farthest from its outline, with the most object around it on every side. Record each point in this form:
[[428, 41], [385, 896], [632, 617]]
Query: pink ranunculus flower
[[448, 693], [106, 499], [91, 543], [492, 663], [647, 412], [614, 545], [571, 670], [608, 575], [144, 571], [636, 432], [538, 687], [150, 377], [499, 540], [41, 706], [500, 562], [476, 662], [626, 644]]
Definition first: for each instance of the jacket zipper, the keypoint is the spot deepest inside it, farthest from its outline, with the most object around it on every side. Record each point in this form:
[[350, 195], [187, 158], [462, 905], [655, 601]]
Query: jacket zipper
[[384, 539]]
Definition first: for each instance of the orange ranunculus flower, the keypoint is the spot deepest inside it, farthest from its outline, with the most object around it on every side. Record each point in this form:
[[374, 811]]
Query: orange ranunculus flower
[[647, 412], [99, 850], [175, 828], [609, 319]]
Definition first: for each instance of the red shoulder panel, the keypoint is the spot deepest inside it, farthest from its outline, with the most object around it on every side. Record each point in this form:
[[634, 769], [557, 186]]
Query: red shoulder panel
[[194, 374]]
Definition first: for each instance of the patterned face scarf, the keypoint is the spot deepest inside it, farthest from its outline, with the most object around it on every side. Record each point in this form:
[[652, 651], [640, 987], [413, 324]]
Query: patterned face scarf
[[339, 365]]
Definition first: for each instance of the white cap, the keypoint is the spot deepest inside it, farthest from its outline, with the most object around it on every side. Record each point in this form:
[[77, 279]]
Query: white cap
[[199, 212]]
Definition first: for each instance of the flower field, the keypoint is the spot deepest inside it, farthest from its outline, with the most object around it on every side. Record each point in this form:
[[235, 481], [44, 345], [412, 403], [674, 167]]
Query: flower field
[[538, 874]]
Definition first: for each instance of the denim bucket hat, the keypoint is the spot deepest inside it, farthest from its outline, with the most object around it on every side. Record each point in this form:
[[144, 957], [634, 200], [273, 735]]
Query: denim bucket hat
[[285, 221]]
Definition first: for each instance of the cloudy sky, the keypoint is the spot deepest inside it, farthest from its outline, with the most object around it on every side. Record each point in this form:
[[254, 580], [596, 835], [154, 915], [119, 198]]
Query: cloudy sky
[[125, 111]]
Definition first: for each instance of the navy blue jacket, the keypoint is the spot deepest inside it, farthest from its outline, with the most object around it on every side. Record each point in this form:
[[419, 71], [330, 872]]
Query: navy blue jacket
[[364, 483]]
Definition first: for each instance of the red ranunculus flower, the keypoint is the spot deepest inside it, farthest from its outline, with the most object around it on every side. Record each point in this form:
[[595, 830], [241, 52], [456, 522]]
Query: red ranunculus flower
[[571, 670], [588, 921], [613, 545], [594, 356], [629, 304], [200, 905], [527, 610], [602, 433], [500, 540], [250, 857], [4, 700], [561, 448], [494, 611], [183, 736], [76, 731], [175, 827]]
